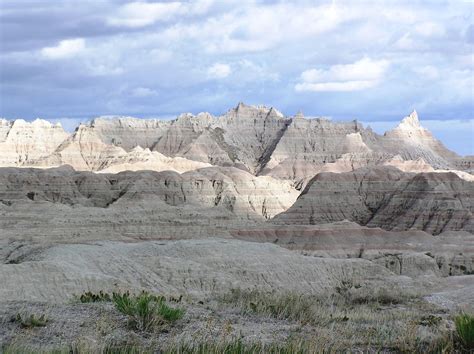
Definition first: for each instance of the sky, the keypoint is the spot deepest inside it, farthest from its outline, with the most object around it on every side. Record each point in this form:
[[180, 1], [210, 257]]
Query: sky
[[375, 61]]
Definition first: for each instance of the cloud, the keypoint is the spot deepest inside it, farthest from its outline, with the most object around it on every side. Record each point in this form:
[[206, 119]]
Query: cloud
[[141, 14], [428, 29], [67, 48], [219, 71], [170, 46], [406, 42], [364, 73], [143, 92], [254, 27], [429, 72]]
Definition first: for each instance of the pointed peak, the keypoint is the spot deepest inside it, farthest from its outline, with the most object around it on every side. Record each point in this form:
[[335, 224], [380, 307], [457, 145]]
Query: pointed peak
[[411, 120]]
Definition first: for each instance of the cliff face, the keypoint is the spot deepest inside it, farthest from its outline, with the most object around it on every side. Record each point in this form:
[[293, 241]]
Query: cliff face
[[21, 142], [218, 190], [388, 198], [129, 132], [257, 139]]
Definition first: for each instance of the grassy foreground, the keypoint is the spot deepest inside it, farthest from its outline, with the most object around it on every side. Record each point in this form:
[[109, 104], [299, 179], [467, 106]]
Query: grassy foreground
[[350, 319]]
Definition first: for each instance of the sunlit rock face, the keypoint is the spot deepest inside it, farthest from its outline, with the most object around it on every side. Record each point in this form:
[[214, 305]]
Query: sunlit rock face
[[410, 140], [256, 139], [22, 142]]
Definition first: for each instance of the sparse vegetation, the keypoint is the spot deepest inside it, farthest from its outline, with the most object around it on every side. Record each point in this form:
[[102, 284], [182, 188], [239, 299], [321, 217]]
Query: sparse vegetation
[[465, 330], [240, 347], [348, 319], [31, 320], [146, 311], [308, 323], [93, 297], [289, 306], [82, 348]]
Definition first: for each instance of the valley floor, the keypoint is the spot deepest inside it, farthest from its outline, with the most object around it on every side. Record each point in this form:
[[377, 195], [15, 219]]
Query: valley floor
[[237, 297]]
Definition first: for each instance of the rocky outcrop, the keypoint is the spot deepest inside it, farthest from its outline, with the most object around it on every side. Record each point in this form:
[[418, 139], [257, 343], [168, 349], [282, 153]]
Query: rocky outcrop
[[465, 163], [411, 253], [308, 144], [257, 139], [254, 133], [22, 142], [421, 165], [144, 159], [388, 198], [245, 137], [83, 150], [129, 132], [218, 191], [411, 141]]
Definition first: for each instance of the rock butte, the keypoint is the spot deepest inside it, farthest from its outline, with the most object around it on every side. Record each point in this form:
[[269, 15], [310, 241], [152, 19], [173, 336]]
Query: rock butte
[[257, 139]]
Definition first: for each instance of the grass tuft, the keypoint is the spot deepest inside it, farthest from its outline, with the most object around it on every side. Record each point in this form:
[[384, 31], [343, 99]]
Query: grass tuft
[[240, 347], [31, 321], [465, 330], [146, 312]]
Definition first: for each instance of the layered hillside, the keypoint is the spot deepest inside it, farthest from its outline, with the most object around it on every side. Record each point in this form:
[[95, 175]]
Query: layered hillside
[[388, 198], [22, 142], [411, 141], [256, 139], [69, 204]]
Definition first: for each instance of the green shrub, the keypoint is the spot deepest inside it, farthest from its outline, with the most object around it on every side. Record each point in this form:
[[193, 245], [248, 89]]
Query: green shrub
[[92, 297], [465, 330], [31, 321], [146, 311]]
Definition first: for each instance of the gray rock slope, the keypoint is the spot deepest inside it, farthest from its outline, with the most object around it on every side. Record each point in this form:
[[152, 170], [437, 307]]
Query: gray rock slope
[[193, 267], [64, 204], [388, 198]]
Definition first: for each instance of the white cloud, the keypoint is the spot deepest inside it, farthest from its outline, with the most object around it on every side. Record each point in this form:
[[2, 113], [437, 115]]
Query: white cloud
[[219, 71], [362, 74], [428, 71], [103, 69], [65, 49], [256, 28], [143, 92], [406, 42], [428, 29], [141, 14], [335, 86]]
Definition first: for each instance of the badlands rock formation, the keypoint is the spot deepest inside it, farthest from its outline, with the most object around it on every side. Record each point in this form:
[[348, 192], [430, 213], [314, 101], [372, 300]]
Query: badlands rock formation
[[249, 164], [201, 205], [257, 139], [63, 204], [417, 142], [388, 198], [21, 142], [195, 267], [411, 253]]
